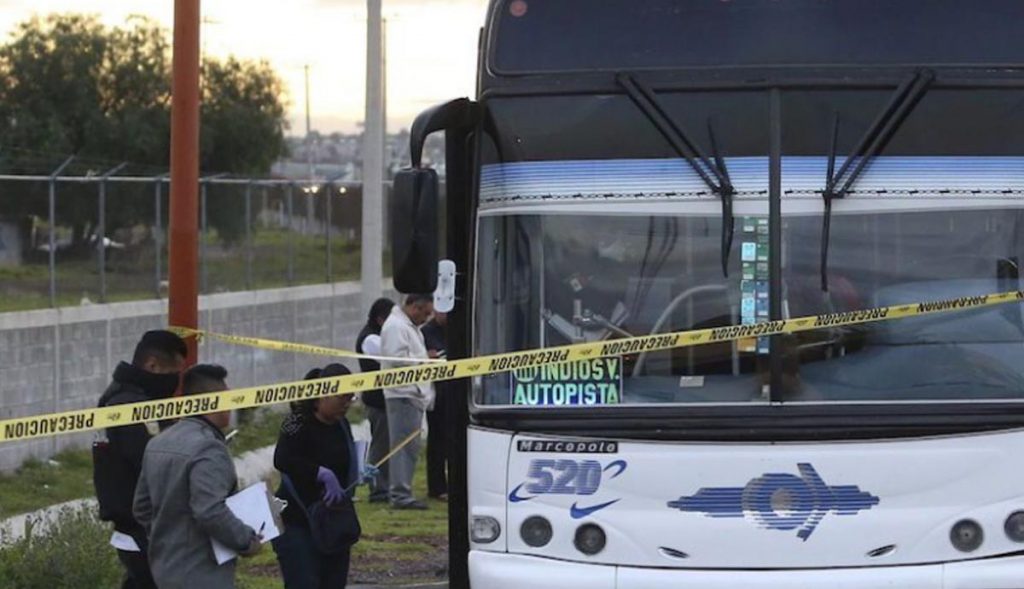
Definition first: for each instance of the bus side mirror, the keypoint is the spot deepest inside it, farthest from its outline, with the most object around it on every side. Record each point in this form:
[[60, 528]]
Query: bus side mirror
[[414, 237]]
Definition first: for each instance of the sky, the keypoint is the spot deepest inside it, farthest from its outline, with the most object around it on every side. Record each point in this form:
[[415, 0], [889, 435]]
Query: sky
[[431, 48]]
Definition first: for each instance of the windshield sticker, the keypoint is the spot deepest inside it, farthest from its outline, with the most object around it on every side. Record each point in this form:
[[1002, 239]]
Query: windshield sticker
[[780, 501], [585, 382], [569, 477], [754, 285], [568, 446]]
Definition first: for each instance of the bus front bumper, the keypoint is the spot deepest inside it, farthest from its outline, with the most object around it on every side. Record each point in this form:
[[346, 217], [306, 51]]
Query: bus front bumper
[[490, 570]]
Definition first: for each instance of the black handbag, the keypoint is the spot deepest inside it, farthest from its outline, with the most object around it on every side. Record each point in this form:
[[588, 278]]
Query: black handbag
[[334, 528]]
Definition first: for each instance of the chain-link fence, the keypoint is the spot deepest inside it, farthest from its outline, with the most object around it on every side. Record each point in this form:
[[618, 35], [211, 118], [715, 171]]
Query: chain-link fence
[[70, 240]]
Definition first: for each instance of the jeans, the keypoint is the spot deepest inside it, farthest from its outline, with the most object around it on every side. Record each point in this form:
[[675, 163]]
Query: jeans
[[136, 567], [380, 444], [136, 564], [304, 567], [403, 418], [438, 432]]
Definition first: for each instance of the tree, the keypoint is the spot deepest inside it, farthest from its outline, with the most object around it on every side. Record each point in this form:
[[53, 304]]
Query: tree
[[242, 127], [243, 117], [70, 85]]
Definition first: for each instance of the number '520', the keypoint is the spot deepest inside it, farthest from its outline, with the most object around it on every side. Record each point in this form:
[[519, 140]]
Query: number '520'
[[568, 477]]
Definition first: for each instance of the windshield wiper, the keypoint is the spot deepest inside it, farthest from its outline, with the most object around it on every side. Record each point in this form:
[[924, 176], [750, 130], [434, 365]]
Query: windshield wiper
[[903, 101], [714, 174]]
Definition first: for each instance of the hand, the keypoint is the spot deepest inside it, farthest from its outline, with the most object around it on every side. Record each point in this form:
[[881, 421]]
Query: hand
[[369, 473], [255, 546], [333, 493]]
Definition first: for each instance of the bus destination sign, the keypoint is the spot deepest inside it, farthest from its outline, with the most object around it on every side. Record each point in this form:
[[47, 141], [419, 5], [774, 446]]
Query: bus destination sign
[[585, 382]]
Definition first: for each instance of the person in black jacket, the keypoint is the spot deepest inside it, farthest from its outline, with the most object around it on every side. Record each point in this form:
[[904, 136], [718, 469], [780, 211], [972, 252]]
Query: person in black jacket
[[316, 452], [438, 429], [117, 461], [368, 342]]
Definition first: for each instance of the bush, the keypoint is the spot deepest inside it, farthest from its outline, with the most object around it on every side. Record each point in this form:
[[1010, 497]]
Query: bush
[[72, 552]]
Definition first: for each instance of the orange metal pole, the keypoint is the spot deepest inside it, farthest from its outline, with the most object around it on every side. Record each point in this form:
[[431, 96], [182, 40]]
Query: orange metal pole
[[183, 258]]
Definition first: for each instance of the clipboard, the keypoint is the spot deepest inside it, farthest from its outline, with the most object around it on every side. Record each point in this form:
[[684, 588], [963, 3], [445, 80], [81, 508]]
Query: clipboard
[[257, 508]]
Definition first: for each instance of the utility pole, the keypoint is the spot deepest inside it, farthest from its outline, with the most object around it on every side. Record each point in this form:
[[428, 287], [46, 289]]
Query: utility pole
[[384, 94], [373, 159], [309, 158], [183, 308]]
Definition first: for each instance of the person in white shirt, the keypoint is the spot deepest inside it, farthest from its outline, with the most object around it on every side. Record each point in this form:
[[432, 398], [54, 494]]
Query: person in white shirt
[[406, 405]]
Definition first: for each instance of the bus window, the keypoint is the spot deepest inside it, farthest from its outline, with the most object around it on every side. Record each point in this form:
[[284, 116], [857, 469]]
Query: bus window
[[887, 259], [549, 280]]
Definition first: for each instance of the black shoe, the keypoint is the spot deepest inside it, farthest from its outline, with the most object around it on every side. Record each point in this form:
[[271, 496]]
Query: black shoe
[[378, 498], [414, 504]]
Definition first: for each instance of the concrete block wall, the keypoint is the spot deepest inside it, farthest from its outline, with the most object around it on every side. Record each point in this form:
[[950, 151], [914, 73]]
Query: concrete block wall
[[61, 359], [22, 379]]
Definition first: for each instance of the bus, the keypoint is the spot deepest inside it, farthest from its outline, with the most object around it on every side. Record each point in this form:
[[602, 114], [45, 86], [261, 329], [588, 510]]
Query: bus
[[634, 167]]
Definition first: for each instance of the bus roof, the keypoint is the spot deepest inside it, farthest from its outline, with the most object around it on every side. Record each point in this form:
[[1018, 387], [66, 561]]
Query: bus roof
[[548, 36]]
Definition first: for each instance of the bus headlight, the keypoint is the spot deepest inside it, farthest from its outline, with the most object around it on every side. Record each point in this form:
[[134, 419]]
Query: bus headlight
[[536, 531], [1014, 526], [590, 539], [966, 535], [484, 529]]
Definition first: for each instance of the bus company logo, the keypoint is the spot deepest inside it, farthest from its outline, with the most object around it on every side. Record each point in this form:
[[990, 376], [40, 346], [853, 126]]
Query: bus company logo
[[568, 446], [780, 501], [579, 478]]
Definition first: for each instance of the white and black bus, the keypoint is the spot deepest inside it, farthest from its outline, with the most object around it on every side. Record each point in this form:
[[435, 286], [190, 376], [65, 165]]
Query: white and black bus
[[631, 167]]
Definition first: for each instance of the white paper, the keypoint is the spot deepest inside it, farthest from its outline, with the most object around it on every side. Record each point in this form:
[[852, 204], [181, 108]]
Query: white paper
[[124, 542], [371, 345], [252, 506]]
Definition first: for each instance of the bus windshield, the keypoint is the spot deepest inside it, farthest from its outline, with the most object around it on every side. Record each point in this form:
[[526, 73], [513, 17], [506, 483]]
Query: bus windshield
[[609, 271]]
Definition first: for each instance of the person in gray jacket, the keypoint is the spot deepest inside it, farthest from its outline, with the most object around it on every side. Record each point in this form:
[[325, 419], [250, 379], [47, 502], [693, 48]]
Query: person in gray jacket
[[187, 473]]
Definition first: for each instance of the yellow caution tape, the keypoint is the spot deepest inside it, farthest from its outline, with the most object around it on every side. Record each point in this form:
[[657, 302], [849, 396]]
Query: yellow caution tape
[[408, 439], [391, 454], [93, 419], [279, 346]]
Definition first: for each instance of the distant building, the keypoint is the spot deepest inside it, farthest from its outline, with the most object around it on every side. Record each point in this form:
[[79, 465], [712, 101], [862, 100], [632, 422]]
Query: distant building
[[338, 153]]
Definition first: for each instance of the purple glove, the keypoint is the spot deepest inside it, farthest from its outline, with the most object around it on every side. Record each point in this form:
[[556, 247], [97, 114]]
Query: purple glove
[[333, 493]]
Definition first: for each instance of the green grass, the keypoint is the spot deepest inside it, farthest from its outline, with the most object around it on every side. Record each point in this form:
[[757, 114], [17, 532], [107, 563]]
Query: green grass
[[131, 272], [36, 301], [397, 547], [257, 429], [39, 484], [73, 553]]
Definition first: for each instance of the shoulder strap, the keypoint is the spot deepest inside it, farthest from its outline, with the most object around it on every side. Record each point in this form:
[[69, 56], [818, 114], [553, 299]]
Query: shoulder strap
[[353, 473], [287, 482]]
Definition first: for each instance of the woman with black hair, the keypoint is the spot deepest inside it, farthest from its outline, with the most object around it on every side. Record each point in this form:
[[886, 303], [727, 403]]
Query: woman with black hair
[[368, 342], [316, 456]]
